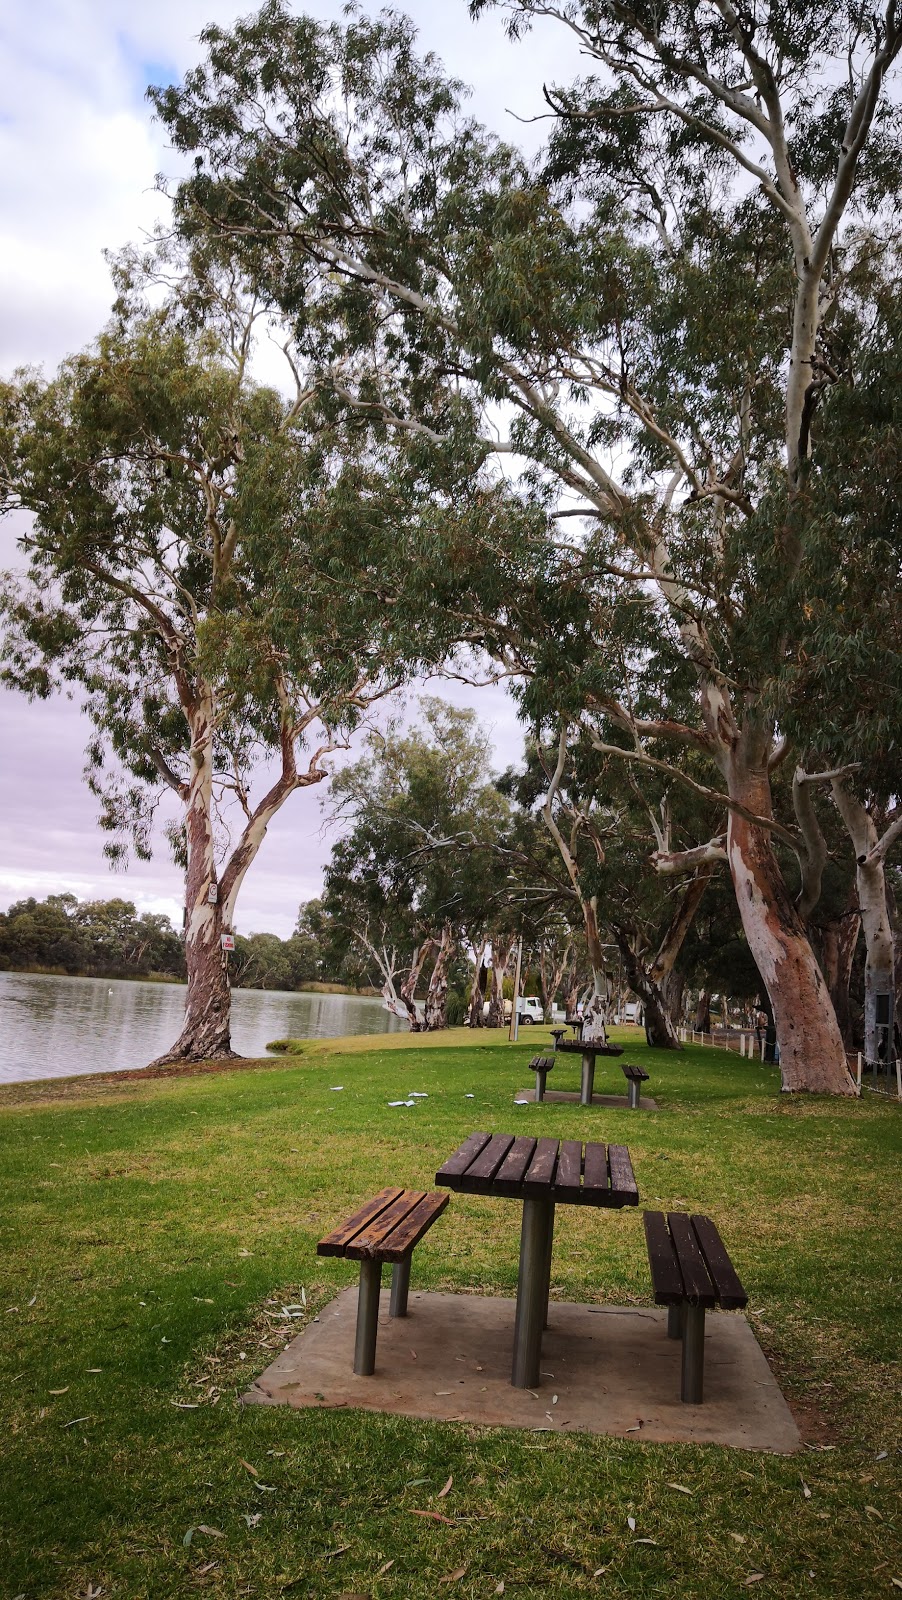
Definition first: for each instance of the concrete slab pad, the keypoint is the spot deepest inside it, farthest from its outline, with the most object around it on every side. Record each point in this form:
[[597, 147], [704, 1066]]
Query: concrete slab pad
[[604, 1370], [617, 1102]]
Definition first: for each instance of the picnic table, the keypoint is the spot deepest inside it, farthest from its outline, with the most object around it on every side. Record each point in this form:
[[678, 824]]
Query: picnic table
[[542, 1173], [588, 1049]]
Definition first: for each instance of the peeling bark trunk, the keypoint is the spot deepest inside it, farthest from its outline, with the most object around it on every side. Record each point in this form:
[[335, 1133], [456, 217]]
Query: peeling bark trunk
[[436, 1009], [408, 988], [550, 981], [659, 1028], [206, 1031], [477, 996], [838, 940], [812, 1053], [876, 925], [596, 1008], [672, 987], [501, 954], [702, 1023]]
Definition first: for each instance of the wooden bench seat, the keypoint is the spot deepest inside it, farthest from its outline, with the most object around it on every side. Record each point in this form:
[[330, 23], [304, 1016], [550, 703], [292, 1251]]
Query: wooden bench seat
[[635, 1077], [386, 1229], [541, 1066], [691, 1272]]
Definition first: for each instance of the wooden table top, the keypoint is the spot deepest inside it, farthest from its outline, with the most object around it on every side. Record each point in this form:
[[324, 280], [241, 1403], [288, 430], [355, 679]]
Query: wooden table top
[[588, 1047], [563, 1170]]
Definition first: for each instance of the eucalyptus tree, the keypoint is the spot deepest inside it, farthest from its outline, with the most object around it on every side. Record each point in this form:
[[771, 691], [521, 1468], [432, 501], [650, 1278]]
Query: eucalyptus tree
[[202, 563], [660, 311], [414, 870]]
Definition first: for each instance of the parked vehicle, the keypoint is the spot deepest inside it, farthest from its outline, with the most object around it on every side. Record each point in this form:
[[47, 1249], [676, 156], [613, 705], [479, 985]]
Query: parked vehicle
[[529, 1009]]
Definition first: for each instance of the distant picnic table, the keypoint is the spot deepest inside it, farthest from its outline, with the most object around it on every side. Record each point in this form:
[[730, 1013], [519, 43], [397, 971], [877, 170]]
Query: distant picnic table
[[588, 1049]]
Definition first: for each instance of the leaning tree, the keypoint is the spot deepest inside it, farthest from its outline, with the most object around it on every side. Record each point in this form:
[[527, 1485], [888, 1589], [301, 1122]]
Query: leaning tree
[[658, 311], [203, 563]]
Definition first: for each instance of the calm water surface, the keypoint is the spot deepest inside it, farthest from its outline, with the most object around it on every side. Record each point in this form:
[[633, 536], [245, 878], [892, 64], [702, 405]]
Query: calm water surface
[[60, 1027]]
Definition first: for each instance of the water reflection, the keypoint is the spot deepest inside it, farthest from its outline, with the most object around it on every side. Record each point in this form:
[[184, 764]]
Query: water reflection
[[60, 1027]]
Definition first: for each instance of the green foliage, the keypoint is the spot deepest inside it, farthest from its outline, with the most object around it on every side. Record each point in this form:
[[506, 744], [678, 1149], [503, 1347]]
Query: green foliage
[[97, 938]]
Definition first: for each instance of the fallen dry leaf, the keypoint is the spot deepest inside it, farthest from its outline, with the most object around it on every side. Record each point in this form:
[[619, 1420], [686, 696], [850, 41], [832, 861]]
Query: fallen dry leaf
[[248, 1468], [739, 1537], [446, 1490], [754, 1577], [499, 1587], [59, 1391], [680, 1488], [330, 1554], [455, 1577], [805, 1489], [631, 1524], [385, 1566], [215, 1533], [435, 1515]]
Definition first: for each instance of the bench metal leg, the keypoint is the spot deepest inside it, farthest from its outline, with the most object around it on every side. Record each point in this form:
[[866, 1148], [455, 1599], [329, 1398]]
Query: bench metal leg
[[540, 1085], [535, 1253], [632, 1090], [693, 1355], [367, 1318], [675, 1320], [588, 1080], [400, 1284]]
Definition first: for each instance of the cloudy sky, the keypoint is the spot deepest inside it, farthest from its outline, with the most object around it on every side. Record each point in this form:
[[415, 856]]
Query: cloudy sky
[[78, 156]]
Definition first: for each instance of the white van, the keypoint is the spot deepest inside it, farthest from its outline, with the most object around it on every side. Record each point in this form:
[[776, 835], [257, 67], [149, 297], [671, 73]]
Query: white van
[[529, 1009]]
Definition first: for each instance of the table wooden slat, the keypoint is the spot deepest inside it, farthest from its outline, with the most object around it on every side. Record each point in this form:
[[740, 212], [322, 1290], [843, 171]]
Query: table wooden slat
[[698, 1286], [335, 1243], [723, 1274], [596, 1184], [624, 1189], [371, 1238], [457, 1164], [665, 1269], [568, 1178], [409, 1232], [539, 1175], [509, 1177], [481, 1172]]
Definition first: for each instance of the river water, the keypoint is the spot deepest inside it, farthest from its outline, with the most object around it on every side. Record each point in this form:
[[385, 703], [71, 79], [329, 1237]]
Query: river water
[[61, 1027]]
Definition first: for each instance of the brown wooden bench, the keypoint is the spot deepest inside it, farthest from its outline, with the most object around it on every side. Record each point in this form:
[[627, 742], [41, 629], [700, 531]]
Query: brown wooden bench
[[386, 1229], [690, 1272], [541, 1066], [557, 1035], [635, 1077]]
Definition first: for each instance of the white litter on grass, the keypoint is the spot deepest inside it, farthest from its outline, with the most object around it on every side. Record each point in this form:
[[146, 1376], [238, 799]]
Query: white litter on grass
[[418, 1094], [469, 1097], [402, 1102], [521, 1102], [335, 1087]]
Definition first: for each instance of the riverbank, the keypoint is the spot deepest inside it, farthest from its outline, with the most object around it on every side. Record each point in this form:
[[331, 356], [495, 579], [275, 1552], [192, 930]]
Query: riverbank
[[153, 1233]]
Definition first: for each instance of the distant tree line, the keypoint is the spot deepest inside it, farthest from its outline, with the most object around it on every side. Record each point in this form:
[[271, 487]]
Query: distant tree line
[[109, 939]]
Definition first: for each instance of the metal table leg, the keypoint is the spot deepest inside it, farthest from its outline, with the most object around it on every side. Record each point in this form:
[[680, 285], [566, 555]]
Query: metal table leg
[[548, 1264], [535, 1255], [367, 1317], [588, 1080], [633, 1092], [540, 1086]]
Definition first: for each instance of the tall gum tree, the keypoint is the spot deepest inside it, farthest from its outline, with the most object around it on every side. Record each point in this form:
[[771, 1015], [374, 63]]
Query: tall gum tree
[[673, 289], [186, 529]]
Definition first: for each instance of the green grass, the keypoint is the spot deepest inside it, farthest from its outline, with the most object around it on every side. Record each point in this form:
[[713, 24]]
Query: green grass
[[153, 1229]]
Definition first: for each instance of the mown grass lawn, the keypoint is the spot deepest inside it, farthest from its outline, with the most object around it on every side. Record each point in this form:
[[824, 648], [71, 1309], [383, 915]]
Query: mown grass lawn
[[151, 1232]]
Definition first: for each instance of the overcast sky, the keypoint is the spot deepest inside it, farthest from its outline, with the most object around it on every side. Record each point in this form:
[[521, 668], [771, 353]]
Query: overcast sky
[[78, 156]]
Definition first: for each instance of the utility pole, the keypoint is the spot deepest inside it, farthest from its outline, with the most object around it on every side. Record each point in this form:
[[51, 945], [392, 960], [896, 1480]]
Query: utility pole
[[515, 1018]]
